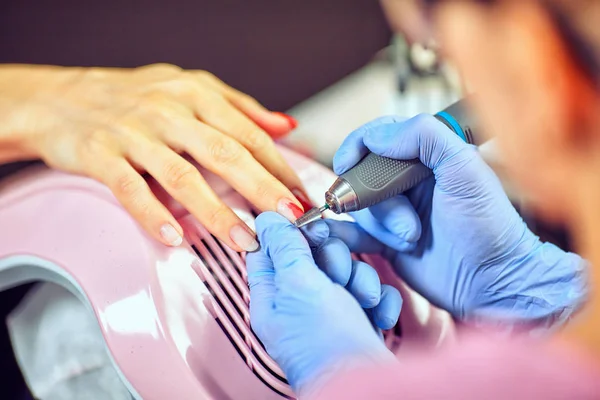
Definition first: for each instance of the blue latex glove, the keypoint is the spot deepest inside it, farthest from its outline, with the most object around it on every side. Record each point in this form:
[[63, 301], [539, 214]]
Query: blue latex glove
[[332, 256], [456, 238], [312, 327]]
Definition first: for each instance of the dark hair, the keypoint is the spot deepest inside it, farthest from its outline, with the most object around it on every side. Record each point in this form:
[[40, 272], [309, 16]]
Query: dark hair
[[577, 21]]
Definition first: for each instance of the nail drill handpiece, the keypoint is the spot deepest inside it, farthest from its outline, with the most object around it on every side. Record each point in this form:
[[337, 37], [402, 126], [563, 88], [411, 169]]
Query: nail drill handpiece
[[376, 178]]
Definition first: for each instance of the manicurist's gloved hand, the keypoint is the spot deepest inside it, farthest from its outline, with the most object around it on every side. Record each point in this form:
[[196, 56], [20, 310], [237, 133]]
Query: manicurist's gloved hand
[[313, 327], [381, 302], [456, 238]]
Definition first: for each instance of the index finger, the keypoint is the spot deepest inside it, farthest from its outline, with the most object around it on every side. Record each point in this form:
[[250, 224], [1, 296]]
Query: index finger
[[219, 114], [295, 270], [352, 149]]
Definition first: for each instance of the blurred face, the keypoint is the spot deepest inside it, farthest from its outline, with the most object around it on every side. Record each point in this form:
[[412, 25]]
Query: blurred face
[[531, 95]]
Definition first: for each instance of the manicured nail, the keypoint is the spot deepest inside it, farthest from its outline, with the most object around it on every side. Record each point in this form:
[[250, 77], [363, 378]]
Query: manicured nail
[[303, 199], [170, 235], [291, 120], [289, 209], [244, 239]]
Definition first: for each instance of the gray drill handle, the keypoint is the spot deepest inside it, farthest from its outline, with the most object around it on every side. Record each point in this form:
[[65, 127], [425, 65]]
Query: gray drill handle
[[376, 178]]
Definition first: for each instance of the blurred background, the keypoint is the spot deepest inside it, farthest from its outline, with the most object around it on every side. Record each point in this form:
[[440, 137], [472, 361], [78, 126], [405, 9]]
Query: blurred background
[[333, 65]]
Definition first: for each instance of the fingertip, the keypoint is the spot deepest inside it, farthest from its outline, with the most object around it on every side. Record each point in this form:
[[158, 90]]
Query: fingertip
[[171, 234], [342, 161], [315, 233], [383, 139], [412, 230], [405, 247], [408, 230], [399, 217], [291, 122], [276, 131], [335, 259], [277, 124], [388, 310], [243, 237], [353, 148], [303, 198], [364, 284], [291, 209]]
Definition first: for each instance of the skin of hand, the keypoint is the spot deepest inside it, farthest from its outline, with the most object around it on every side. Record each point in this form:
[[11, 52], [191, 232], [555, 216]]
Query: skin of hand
[[311, 325], [544, 113], [456, 238], [114, 124]]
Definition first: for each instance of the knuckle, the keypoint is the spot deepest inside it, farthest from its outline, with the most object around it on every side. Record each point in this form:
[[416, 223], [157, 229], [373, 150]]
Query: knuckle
[[257, 140], [163, 68], [246, 97], [217, 216], [96, 142], [128, 186], [153, 99], [425, 121], [264, 189], [180, 174], [130, 191], [225, 150], [156, 107], [180, 87], [205, 76]]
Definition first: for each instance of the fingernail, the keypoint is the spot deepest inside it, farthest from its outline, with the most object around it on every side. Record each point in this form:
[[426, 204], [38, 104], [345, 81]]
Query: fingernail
[[303, 199], [170, 235], [291, 120], [244, 239], [289, 209]]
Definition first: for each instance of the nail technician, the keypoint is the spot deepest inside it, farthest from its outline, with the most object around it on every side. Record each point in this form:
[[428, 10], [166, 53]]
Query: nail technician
[[456, 238]]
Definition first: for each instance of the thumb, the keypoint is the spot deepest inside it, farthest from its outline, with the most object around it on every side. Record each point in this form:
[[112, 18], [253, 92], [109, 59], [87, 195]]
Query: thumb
[[282, 242], [261, 280], [290, 254]]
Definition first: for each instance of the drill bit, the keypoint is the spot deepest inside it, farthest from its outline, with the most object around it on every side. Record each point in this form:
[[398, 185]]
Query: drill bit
[[311, 215]]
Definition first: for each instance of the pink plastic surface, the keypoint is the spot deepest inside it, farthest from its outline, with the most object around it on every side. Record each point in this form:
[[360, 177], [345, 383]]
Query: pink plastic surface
[[478, 367], [153, 303]]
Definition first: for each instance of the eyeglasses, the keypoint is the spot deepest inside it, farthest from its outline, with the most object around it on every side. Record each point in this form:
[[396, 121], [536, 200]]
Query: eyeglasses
[[582, 51]]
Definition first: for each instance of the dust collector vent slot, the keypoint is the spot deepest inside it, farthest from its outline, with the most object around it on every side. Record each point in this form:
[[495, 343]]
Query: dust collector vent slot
[[224, 274]]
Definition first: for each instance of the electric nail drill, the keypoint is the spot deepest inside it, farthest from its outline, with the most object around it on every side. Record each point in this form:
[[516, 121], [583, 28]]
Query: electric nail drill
[[376, 178]]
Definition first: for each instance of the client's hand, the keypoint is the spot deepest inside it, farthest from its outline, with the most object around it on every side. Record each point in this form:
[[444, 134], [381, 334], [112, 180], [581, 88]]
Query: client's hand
[[113, 124], [311, 326], [456, 238]]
